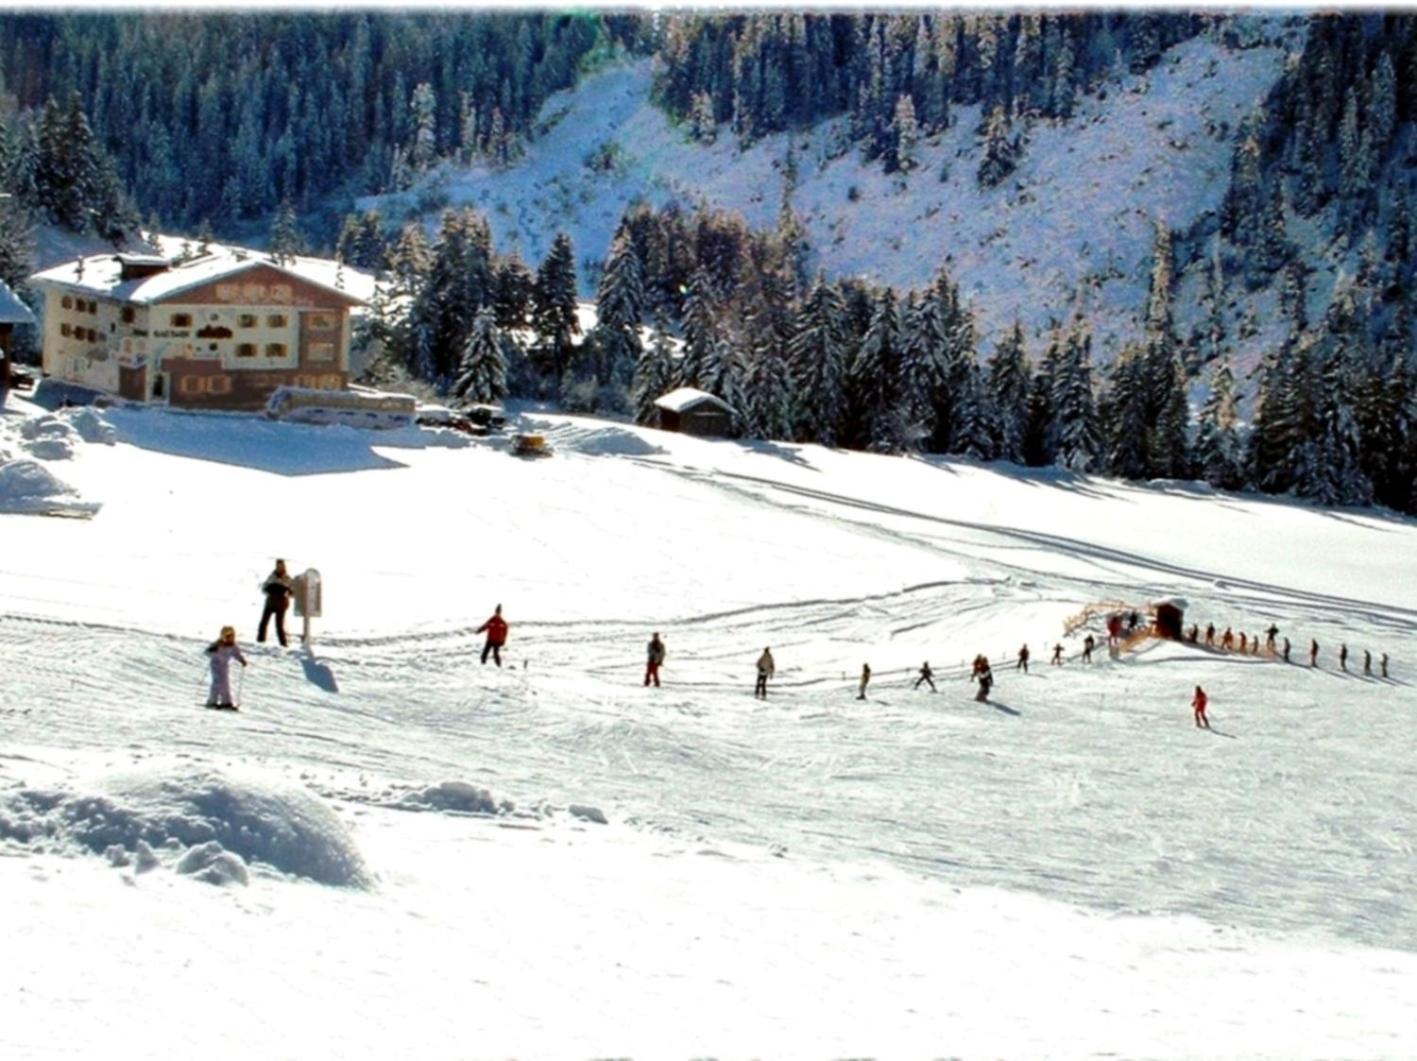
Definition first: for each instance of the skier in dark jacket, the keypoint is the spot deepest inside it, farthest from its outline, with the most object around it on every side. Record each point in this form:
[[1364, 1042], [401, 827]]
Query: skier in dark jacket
[[767, 667], [1022, 663], [1269, 636], [1286, 650], [1383, 664], [654, 659], [1209, 635], [1057, 660], [1088, 644], [277, 589], [926, 675], [1367, 663], [984, 676], [496, 628], [865, 681], [1313, 652], [1343, 657], [1194, 635]]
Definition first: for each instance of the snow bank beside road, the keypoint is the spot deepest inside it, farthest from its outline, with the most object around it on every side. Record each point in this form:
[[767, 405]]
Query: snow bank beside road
[[209, 825]]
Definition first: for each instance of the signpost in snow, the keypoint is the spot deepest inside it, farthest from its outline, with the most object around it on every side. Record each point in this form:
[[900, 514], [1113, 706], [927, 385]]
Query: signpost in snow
[[307, 600]]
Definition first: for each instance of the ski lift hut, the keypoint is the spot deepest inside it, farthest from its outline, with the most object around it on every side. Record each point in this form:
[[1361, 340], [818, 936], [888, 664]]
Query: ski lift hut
[[695, 412], [12, 312], [1170, 617]]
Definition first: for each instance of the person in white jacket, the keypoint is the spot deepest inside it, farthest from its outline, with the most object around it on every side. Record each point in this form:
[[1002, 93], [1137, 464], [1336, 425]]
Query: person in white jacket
[[222, 651]]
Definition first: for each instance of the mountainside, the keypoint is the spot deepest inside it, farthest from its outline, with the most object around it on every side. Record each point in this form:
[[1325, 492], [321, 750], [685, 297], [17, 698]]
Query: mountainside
[[394, 849], [1072, 230]]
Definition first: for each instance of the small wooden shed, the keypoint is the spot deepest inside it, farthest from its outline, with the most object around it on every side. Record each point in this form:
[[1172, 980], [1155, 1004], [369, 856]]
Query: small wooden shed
[[1170, 617], [695, 412], [12, 312]]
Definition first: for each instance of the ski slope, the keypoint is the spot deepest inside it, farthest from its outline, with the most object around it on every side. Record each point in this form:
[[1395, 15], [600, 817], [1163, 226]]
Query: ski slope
[[423, 856]]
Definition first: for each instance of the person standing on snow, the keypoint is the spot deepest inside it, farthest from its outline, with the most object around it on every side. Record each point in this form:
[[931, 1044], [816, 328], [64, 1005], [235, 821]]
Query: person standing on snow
[[766, 669], [1227, 640], [1199, 704], [1244, 642], [1057, 660], [222, 651], [1343, 657], [1367, 663], [1209, 635], [1114, 630], [654, 659], [1087, 646], [1022, 663], [496, 628], [1269, 636], [865, 681], [1195, 633], [277, 589], [984, 676], [1286, 650], [1313, 652], [926, 675], [1383, 664]]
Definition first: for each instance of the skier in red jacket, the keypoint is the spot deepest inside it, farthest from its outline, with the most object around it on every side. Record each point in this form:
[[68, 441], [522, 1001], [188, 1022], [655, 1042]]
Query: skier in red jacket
[[1199, 704], [496, 628]]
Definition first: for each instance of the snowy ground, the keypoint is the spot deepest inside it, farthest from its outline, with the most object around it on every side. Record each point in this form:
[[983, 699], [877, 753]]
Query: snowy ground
[[394, 851]]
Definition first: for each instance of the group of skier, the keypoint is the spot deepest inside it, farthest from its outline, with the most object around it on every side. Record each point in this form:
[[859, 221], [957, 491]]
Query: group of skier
[[278, 589]]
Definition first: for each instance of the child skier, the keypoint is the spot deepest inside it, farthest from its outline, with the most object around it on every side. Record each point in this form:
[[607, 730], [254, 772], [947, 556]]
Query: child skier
[[496, 628], [222, 651], [654, 659], [926, 675], [1199, 704]]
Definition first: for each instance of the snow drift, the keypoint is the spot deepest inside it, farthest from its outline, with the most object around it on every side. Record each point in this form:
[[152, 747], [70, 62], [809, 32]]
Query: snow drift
[[210, 825], [28, 488]]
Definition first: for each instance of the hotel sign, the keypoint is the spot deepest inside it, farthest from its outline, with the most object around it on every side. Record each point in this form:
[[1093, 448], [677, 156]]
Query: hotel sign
[[256, 294]]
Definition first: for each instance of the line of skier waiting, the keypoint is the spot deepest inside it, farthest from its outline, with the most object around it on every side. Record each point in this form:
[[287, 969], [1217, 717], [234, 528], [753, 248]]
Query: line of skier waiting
[[278, 587]]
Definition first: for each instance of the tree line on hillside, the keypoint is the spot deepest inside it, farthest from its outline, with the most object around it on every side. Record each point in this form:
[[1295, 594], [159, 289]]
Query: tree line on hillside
[[698, 299], [217, 116], [898, 77]]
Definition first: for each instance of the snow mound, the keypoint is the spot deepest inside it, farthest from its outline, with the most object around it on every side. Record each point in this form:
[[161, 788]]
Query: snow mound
[[608, 441], [587, 814], [91, 426], [30, 488], [49, 437], [210, 824], [456, 796]]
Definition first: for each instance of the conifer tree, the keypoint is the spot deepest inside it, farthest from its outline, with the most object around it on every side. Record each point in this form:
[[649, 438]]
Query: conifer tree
[[701, 333], [285, 235], [1218, 450], [423, 152], [554, 305], [1127, 416], [16, 245], [872, 380], [482, 373], [817, 352], [1001, 150], [1008, 390], [1074, 422], [654, 375], [513, 296], [620, 304]]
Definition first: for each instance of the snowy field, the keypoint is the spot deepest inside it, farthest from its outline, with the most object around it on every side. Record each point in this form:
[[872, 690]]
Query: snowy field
[[393, 851]]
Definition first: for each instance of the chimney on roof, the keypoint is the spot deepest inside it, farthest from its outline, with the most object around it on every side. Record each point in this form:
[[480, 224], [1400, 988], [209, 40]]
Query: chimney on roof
[[136, 266]]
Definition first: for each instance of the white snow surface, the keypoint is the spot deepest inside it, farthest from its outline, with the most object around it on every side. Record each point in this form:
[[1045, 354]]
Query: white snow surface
[[394, 850]]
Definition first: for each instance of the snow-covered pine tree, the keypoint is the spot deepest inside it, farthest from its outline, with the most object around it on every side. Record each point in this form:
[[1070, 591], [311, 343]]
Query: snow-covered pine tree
[[554, 305], [701, 333], [872, 381], [620, 304], [975, 419], [423, 152], [905, 134], [1331, 471], [818, 359], [767, 388], [1001, 150], [16, 243], [285, 235], [1218, 449], [482, 373], [513, 297], [1385, 414], [1168, 441], [654, 375], [1126, 422], [1008, 391], [1074, 422]]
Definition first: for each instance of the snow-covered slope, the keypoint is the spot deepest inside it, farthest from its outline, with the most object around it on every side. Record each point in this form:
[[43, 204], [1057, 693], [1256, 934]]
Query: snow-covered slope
[[393, 849], [1080, 213]]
